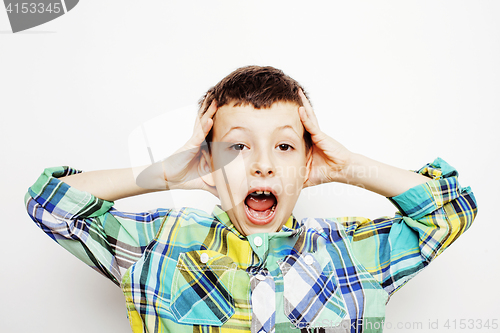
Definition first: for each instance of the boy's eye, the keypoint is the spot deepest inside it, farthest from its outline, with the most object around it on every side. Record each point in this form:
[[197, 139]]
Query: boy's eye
[[284, 147], [238, 146]]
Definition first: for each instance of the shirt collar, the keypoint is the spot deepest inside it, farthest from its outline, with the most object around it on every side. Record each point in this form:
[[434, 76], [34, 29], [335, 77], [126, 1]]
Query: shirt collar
[[290, 225]]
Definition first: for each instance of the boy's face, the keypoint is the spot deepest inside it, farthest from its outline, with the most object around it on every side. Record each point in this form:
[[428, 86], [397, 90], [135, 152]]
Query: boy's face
[[260, 162]]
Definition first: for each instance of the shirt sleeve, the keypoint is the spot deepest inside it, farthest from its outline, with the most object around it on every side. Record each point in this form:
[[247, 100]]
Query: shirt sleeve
[[107, 240], [431, 216]]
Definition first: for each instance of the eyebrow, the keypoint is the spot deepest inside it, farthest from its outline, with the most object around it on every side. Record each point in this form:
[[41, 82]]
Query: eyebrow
[[277, 129], [285, 127], [235, 128]]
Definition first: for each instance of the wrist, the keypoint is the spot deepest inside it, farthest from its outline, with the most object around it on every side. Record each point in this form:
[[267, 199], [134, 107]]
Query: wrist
[[349, 169], [150, 177]]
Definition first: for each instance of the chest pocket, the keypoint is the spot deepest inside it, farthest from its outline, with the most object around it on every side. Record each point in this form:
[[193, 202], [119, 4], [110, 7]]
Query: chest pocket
[[201, 288], [311, 294]]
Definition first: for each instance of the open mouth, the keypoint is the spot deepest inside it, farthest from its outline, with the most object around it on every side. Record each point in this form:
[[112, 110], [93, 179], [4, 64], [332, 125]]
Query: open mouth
[[260, 206]]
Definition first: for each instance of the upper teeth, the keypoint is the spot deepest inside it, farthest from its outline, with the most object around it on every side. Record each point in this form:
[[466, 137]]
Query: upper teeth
[[262, 192]]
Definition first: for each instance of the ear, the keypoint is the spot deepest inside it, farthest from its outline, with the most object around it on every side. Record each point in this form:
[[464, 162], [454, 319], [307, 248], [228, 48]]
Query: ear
[[205, 168]]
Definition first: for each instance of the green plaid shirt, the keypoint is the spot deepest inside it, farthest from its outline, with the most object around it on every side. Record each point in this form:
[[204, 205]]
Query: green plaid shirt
[[190, 271]]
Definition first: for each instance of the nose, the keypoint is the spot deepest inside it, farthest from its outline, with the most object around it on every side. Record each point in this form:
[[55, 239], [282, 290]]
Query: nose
[[263, 166]]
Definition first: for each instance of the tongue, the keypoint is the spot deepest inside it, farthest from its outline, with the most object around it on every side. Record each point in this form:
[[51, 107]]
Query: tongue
[[260, 202]]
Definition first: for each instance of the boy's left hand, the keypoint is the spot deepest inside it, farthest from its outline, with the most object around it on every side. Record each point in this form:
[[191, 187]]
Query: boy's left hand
[[329, 159]]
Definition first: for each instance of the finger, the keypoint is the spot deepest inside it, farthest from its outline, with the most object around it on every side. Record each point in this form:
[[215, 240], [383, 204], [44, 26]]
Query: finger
[[319, 138], [212, 109], [200, 118], [204, 104], [206, 120], [202, 126], [308, 108], [309, 125]]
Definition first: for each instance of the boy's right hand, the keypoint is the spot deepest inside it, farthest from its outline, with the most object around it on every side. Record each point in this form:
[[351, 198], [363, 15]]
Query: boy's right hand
[[181, 170]]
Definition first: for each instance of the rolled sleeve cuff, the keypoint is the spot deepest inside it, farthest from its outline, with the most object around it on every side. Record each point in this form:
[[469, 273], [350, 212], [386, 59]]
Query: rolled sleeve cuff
[[62, 200], [423, 199]]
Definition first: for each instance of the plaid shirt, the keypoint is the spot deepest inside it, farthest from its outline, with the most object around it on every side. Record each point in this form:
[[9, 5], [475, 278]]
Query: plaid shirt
[[190, 271]]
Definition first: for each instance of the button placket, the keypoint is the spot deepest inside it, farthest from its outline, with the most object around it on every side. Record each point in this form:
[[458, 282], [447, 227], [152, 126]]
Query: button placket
[[263, 287], [259, 244]]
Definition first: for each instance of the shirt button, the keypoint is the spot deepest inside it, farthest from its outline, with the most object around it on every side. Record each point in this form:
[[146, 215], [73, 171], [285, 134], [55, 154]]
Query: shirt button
[[204, 258], [260, 277], [257, 241], [309, 260]]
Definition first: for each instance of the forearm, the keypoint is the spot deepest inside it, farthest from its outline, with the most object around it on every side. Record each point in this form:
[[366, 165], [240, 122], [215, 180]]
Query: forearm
[[116, 184], [378, 177]]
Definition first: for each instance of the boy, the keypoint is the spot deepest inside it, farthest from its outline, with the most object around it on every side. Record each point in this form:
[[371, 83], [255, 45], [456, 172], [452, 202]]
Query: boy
[[250, 266]]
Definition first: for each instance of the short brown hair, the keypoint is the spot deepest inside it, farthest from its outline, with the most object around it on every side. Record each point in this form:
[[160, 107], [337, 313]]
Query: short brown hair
[[258, 86]]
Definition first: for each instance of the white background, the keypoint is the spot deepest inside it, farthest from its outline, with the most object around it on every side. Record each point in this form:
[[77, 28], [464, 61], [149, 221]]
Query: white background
[[400, 81]]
